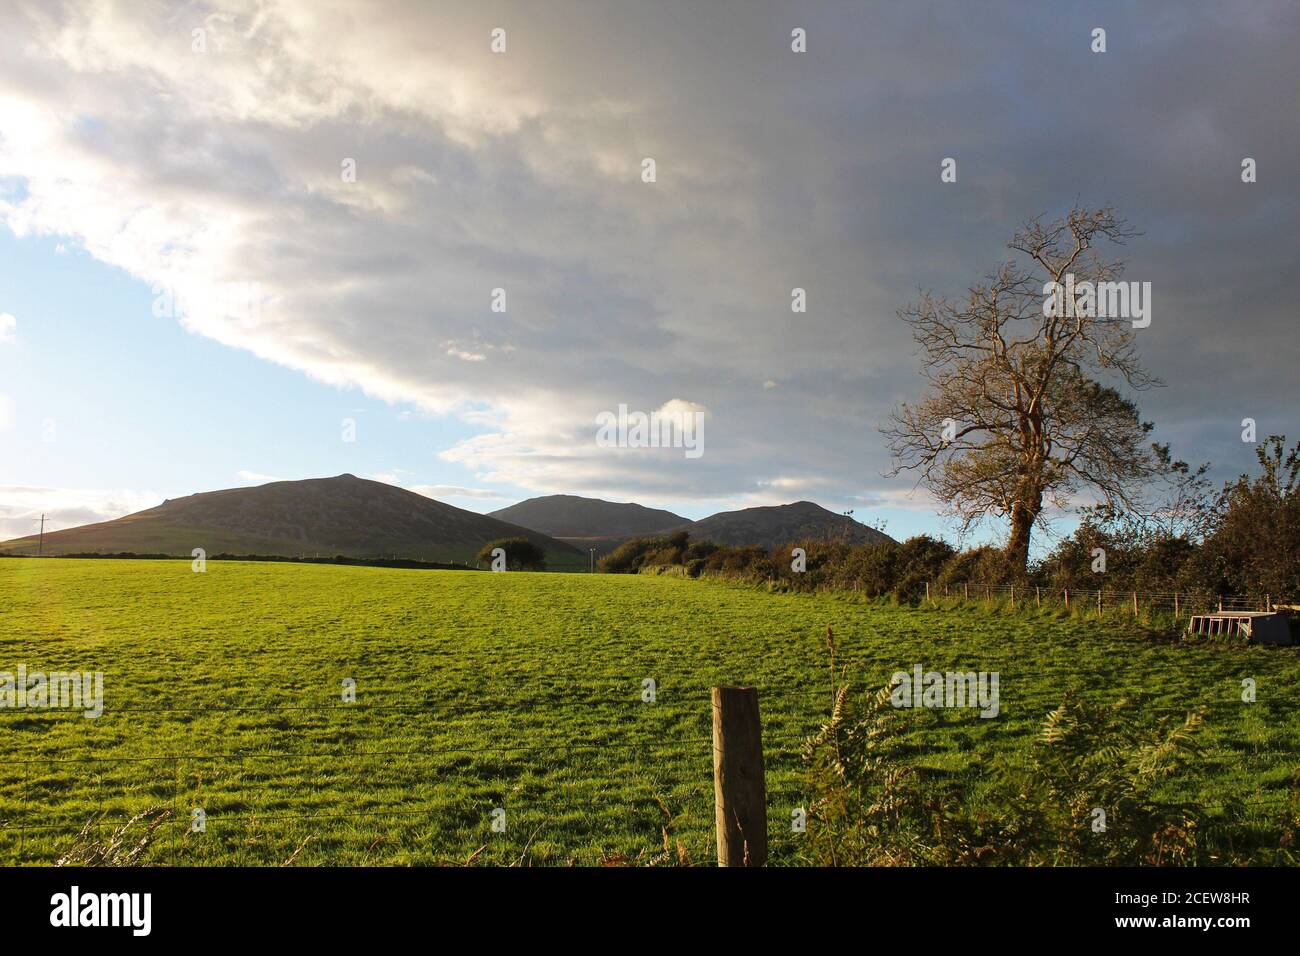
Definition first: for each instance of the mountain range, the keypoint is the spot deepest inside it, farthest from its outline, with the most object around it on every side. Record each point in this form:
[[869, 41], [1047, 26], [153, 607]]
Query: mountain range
[[775, 525], [603, 525], [590, 522], [345, 515], [361, 518]]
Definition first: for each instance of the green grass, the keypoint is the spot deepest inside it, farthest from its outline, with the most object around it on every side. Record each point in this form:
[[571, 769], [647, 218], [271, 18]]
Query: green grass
[[521, 691]]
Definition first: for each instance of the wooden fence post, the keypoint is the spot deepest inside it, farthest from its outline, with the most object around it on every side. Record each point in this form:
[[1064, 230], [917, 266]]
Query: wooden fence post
[[1175, 605], [1098, 600], [739, 792], [1038, 595], [1067, 599], [927, 592], [966, 590], [1135, 604]]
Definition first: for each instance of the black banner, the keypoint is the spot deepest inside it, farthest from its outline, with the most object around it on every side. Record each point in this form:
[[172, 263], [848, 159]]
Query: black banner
[[335, 905]]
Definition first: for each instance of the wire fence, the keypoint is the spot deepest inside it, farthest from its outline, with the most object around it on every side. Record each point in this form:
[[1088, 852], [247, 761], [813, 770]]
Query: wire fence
[[1176, 603]]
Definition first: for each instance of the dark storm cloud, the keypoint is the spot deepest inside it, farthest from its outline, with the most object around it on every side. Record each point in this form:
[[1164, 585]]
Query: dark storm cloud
[[818, 170]]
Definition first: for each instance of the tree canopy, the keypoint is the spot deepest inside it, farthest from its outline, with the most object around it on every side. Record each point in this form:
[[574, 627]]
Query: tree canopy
[[1023, 407]]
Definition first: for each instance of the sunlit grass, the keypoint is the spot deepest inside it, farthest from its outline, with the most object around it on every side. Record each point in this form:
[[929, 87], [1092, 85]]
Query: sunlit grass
[[520, 691]]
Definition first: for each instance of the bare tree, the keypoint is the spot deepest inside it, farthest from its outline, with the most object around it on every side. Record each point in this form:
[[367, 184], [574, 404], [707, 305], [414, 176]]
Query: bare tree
[[1018, 414]]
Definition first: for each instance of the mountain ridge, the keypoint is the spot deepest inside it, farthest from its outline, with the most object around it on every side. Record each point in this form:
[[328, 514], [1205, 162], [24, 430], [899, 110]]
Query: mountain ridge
[[576, 516], [578, 521], [362, 518], [344, 515], [772, 526]]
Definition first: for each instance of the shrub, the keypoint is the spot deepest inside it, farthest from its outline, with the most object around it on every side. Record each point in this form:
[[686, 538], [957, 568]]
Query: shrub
[[870, 568], [983, 565], [698, 550], [918, 560], [628, 557], [870, 807], [521, 554], [747, 562], [1254, 546]]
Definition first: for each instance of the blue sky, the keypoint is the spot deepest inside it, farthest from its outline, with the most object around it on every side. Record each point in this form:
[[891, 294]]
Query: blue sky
[[139, 402], [133, 156]]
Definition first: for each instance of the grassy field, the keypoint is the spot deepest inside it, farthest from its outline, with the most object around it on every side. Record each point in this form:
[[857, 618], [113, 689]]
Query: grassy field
[[520, 691]]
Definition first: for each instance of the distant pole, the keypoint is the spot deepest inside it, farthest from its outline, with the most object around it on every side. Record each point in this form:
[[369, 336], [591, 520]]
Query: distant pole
[[1175, 605], [40, 545], [1067, 599], [1135, 604], [1038, 595], [927, 592], [591, 569], [739, 793]]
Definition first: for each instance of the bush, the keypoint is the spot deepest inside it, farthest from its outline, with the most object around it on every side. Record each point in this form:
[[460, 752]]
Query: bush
[[1246, 541], [521, 554], [983, 565], [742, 562], [628, 557], [1254, 546], [870, 568], [699, 550], [917, 561], [870, 807]]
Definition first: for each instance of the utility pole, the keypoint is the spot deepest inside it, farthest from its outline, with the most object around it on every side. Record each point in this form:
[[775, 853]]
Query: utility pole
[[40, 545], [591, 567]]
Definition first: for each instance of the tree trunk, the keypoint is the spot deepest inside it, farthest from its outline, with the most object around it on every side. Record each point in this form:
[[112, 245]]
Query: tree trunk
[[1023, 516]]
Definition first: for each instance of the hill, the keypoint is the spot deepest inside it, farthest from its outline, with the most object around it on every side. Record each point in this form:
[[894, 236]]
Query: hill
[[775, 525], [319, 516], [589, 522]]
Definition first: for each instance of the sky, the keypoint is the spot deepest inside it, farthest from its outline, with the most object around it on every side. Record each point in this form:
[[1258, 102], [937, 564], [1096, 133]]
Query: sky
[[250, 241]]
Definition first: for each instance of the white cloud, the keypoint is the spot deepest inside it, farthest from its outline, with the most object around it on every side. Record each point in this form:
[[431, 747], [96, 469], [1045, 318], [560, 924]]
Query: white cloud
[[255, 477], [473, 172], [792, 484], [902, 499], [195, 171], [21, 507], [456, 491]]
